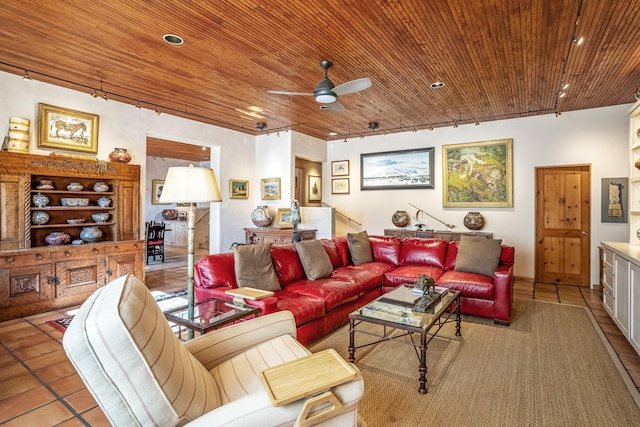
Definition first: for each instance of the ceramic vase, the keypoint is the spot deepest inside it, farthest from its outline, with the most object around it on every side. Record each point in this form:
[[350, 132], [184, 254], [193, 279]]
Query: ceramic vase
[[57, 238], [104, 202], [120, 155], [400, 218], [75, 186], [40, 200], [474, 221], [170, 214], [91, 234], [39, 217], [262, 216], [100, 187]]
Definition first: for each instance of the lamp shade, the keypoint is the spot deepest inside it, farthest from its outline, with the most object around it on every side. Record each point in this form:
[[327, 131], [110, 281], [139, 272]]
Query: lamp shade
[[189, 184]]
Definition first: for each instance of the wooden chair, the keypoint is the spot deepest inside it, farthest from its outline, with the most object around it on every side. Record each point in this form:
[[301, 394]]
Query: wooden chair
[[155, 241]]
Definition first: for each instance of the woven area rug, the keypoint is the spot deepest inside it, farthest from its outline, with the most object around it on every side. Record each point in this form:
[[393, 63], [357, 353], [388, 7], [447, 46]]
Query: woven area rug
[[165, 300], [551, 367]]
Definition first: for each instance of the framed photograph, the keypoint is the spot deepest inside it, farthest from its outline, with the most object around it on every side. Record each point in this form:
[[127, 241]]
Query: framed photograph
[[65, 129], [397, 169], [283, 218], [156, 191], [478, 174], [182, 215], [314, 193], [340, 186], [340, 168], [238, 189], [270, 188]]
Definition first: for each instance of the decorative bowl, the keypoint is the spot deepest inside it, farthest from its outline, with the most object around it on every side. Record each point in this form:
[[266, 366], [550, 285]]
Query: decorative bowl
[[75, 186], [74, 202], [75, 221], [100, 217], [45, 182], [39, 217], [170, 214], [77, 242], [57, 238], [100, 187]]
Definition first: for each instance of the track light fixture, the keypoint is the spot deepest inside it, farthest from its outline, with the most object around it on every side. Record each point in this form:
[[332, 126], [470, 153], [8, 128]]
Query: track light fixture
[[455, 124], [95, 93], [138, 104], [105, 97], [261, 126], [26, 76], [373, 126]]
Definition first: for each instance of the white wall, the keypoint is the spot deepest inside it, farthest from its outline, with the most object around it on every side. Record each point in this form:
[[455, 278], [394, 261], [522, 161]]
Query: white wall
[[123, 125], [598, 137]]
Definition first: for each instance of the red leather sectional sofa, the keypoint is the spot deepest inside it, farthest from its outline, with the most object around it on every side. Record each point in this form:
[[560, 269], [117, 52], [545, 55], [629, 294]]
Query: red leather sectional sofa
[[320, 306]]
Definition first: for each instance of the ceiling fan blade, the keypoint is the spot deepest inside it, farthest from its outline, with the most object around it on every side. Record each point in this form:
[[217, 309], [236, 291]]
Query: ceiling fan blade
[[335, 107], [352, 86], [280, 92]]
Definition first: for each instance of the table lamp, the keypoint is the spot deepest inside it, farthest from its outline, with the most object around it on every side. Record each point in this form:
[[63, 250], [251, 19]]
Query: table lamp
[[189, 184]]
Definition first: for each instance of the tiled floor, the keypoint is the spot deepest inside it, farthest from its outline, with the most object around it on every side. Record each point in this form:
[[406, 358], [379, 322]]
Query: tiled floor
[[39, 387]]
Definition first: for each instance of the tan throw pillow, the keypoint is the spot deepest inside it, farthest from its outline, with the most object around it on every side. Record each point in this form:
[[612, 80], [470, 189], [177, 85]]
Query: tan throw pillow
[[477, 254], [254, 268], [360, 247], [315, 260]]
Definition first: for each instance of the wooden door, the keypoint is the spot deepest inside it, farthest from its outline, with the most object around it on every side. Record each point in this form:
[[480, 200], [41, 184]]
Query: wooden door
[[563, 225]]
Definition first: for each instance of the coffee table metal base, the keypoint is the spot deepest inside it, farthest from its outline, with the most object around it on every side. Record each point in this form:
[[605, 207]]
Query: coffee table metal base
[[425, 335]]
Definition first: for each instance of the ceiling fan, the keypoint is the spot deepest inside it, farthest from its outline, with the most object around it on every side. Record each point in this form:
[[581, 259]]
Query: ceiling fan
[[327, 93]]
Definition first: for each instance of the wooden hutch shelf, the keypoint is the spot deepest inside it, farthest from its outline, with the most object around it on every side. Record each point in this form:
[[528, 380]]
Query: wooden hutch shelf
[[37, 277]]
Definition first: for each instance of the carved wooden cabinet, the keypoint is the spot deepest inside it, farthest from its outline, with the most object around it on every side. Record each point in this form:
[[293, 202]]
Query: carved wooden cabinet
[[37, 277], [276, 236]]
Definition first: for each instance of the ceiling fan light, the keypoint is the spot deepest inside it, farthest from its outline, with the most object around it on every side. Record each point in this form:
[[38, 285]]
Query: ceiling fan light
[[327, 98]]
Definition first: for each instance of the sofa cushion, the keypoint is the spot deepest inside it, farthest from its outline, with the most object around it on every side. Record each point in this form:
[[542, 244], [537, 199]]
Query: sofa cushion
[[416, 251], [304, 308], [254, 268], [331, 247], [409, 274], [470, 285], [364, 278], [333, 292], [287, 263], [360, 247], [343, 249], [477, 254], [216, 270], [385, 249], [315, 261]]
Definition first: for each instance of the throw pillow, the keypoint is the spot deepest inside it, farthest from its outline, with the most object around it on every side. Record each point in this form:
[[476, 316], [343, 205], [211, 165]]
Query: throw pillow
[[477, 254], [315, 260], [254, 268], [360, 247]]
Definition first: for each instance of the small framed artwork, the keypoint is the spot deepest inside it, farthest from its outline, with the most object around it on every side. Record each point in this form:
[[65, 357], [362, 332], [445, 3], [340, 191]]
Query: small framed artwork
[[156, 191], [270, 188], [478, 174], [238, 189], [65, 129], [315, 189], [340, 168], [340, 186], [615, 199], [182, 216], [283, 218]]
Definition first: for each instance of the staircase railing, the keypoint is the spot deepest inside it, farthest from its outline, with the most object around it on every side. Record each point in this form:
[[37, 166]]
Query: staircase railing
[[350, 219]]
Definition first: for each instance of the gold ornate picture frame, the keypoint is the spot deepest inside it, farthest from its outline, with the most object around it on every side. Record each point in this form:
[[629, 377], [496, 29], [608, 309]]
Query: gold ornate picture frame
[[156, 191], [270, 188], [478, 174], [66, 129], [238, 189], [283, 218]]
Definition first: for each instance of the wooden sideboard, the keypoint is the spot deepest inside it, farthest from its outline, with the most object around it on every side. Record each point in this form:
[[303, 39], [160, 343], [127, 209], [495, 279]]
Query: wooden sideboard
[[437, 234], [277, 236], [37, 277]]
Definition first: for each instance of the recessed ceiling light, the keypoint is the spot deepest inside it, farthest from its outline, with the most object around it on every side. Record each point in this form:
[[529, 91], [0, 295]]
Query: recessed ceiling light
[[437, 85], [173, 39], [333, 133]]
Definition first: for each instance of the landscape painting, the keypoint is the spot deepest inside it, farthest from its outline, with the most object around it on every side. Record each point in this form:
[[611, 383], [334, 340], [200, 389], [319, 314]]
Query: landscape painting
[[397, 169], [478, 174]]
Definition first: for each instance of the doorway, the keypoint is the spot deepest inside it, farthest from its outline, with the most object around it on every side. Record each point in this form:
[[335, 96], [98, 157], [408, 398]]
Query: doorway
[[563, 225]]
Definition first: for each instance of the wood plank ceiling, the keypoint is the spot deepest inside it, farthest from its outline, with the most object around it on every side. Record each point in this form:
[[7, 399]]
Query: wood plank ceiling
[[498, 59]]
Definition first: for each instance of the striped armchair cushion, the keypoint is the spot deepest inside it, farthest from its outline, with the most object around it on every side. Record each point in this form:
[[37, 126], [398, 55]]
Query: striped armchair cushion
[[124, 349]]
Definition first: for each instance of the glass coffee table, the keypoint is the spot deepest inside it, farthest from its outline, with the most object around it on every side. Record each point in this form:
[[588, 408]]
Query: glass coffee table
[[210, 314], [393, 311]]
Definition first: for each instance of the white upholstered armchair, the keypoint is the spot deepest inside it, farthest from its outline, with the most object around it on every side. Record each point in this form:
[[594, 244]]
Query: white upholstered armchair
[[141, 374]]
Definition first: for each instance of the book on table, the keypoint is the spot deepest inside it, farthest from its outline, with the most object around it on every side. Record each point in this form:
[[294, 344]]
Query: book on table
[[430, 302]]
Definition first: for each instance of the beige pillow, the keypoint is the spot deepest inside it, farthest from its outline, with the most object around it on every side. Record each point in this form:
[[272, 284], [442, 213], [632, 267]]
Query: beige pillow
[[315, 260], [477, 254], [254, 268], [360, 247]]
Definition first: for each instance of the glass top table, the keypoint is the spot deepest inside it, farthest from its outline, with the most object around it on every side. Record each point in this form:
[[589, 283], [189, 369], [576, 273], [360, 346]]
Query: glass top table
[[210, 314], [393, 310]]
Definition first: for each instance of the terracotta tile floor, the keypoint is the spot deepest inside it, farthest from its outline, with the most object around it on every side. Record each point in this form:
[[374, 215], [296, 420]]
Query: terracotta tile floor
[[39, 387]]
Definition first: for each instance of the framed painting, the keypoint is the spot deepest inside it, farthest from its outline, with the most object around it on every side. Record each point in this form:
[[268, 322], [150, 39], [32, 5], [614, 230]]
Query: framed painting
[[397, 169], [270, 188], [283, 218], [340, 186], [340, 168], [314, 193], [238, 189], [614, 200], [65, 129], [156, 191], [478, 174]]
